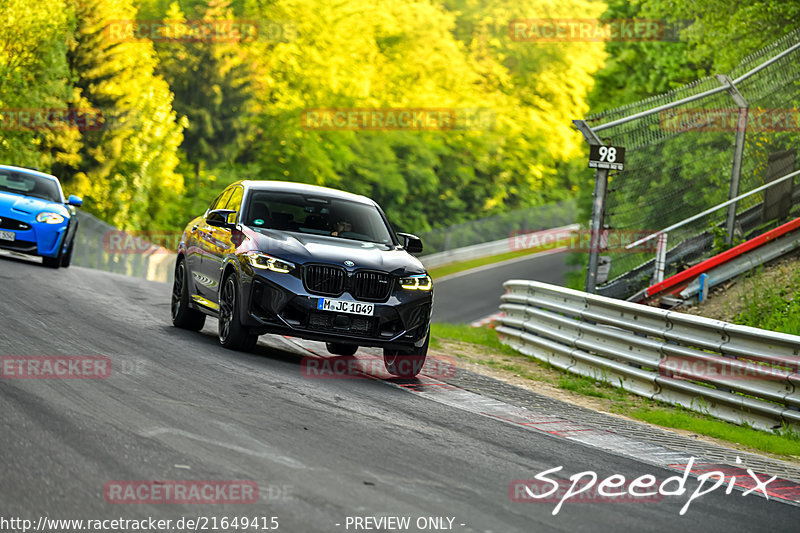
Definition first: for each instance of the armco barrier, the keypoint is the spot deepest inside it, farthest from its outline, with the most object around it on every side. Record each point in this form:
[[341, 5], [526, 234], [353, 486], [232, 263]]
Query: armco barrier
[[485, 249], [151, 262], [741, 374]]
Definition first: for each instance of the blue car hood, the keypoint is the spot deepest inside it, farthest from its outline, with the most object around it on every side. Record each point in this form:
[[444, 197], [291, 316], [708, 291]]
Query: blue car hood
[[17, 204]]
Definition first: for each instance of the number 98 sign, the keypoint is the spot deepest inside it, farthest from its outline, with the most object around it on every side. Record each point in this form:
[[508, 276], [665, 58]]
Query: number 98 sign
[[610, 157]]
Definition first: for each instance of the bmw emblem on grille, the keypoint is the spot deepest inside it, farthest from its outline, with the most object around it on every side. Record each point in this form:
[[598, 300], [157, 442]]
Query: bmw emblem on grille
[[349, 263]]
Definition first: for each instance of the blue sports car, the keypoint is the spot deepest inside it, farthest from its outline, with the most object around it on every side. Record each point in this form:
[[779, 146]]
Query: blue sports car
[[34, 217]]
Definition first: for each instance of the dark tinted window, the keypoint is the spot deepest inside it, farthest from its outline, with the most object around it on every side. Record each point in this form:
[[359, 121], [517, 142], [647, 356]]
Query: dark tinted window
[[29, 185], [316, 214]]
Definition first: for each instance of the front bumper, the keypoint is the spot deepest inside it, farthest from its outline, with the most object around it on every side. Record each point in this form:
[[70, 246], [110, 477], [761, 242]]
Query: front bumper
[[279, 303], [38, 239]]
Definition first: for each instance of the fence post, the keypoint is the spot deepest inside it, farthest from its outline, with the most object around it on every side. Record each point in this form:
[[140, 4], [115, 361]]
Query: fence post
[[738, 151], [598, 209], [661, 258]]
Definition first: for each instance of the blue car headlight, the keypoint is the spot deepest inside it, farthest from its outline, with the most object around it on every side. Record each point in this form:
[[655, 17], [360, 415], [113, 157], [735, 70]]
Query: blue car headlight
[[267, 262], [47, 217]]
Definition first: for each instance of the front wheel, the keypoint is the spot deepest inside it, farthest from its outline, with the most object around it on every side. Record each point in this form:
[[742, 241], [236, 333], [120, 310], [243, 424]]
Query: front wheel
[[406, 363], [232, 334], [52, 262], [184, 316], [67, 259]]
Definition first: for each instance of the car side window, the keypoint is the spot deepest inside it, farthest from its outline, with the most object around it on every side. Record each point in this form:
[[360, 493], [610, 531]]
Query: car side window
[[235, 202], [216, 201], [221, 200]]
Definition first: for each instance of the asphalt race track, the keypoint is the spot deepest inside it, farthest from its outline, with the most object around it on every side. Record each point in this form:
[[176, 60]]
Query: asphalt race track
[[472, 295], [177, 406]]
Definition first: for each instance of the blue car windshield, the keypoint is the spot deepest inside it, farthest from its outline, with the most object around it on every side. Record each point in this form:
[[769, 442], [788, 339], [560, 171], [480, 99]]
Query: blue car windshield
[[29, 185], [318, 215]]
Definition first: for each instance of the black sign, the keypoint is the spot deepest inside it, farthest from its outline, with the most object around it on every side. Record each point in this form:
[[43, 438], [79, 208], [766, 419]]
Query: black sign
[[610, 157]]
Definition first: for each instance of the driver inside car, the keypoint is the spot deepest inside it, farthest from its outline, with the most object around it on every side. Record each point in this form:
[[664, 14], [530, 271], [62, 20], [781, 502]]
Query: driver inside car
[[341, 227]]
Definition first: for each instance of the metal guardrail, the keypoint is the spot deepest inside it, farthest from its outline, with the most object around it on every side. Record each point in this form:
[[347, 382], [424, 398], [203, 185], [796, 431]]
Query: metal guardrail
[[95, 248], [497, 227], [486, 249], [736, 373]]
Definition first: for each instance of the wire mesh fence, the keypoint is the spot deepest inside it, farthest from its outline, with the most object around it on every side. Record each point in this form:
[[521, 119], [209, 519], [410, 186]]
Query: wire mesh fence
[[680, 162]]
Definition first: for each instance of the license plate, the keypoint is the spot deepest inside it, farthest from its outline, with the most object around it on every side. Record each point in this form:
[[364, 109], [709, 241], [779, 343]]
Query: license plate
[[7, 236], [344, 306]]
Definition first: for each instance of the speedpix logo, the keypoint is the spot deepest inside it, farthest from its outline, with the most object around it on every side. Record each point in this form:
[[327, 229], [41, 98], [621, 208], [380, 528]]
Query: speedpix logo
[[588, 487]]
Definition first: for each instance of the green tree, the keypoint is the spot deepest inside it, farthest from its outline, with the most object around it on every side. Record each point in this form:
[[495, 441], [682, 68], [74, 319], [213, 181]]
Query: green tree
[[127, 172], [212, 88], [34, 78]]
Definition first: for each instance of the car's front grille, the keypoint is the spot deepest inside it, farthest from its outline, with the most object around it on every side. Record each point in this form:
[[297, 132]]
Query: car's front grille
[[366, 285], [24, 247], [13, 224], [326, 280], [352, 324]]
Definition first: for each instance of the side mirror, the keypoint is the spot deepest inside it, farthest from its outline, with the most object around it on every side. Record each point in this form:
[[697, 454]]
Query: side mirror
[[411, 243], [76, 201], [219, 218]]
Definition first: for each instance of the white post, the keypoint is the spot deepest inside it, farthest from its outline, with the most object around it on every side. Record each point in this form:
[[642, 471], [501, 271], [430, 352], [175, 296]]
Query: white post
[[661, 257]]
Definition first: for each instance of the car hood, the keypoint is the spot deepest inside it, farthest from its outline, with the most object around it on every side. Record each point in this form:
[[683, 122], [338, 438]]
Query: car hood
[[300, 248], [15, 203]]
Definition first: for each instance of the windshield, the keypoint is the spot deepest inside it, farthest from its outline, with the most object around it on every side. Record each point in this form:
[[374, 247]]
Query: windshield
[[29, 185], [318, 215]]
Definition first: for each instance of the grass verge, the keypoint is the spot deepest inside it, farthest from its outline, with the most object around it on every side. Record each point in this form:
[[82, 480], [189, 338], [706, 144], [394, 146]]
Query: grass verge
[[772, 306], [481, 347]]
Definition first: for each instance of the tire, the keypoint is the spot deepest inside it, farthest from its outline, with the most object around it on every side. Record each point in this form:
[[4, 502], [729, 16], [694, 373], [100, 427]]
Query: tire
[[183, 316], [406, 363], [67, 259], [53, 262], [232, 334], [338, 348]]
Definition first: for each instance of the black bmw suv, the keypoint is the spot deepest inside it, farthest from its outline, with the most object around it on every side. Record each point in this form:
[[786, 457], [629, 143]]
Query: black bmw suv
[[305, 261]]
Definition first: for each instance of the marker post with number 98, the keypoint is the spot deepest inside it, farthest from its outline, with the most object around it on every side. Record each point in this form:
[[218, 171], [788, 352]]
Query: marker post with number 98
[[609, 157]]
